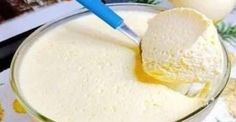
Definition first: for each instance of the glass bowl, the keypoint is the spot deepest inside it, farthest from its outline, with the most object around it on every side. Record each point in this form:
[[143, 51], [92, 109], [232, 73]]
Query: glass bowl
[[195, 116]]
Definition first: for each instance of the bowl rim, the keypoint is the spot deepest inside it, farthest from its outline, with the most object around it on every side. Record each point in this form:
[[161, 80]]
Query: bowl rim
[[79, 13]]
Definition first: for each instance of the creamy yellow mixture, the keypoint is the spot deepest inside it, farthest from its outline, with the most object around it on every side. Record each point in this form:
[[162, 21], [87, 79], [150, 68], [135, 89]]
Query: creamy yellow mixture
[[84, 71], [182, 45]]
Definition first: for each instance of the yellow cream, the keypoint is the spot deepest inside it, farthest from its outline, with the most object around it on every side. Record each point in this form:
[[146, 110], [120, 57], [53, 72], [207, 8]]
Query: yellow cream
[[84, 71], [182, 46]]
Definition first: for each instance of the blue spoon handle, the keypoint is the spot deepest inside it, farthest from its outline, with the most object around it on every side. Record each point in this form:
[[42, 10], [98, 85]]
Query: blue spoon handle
[[103, 12]]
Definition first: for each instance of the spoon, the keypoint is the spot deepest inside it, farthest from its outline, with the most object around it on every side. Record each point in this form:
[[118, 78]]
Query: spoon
[[110, 17], [116, 22]]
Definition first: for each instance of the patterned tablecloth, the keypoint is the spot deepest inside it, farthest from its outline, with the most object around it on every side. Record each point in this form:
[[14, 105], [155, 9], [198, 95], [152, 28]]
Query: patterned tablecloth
[[11, 111]]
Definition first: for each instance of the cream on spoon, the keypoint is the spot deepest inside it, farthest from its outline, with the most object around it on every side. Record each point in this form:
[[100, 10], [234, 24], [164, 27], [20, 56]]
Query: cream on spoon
[[181, 46]]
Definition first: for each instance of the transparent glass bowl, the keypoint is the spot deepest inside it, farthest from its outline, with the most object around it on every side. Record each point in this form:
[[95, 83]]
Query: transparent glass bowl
[[195, 116]]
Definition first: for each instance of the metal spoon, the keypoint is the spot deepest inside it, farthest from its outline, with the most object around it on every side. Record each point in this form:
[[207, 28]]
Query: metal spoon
[[110, 17]]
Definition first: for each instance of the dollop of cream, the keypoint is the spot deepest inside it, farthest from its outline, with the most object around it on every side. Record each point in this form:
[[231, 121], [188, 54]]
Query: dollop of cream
[[182, 45]]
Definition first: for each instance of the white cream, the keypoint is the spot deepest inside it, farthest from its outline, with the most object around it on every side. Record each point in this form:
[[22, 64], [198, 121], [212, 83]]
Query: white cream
[[84, 71], [214, 9]]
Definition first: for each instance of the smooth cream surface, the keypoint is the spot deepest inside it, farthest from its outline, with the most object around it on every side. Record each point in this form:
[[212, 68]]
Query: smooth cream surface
[[214, 9], [84, 71]]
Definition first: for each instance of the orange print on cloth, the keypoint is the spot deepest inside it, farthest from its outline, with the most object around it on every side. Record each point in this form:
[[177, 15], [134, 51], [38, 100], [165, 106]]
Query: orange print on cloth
[[1, 113], [17, 107]]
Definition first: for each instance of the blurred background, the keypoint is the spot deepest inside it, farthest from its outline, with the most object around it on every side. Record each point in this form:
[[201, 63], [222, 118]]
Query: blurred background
[[19, 18]]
